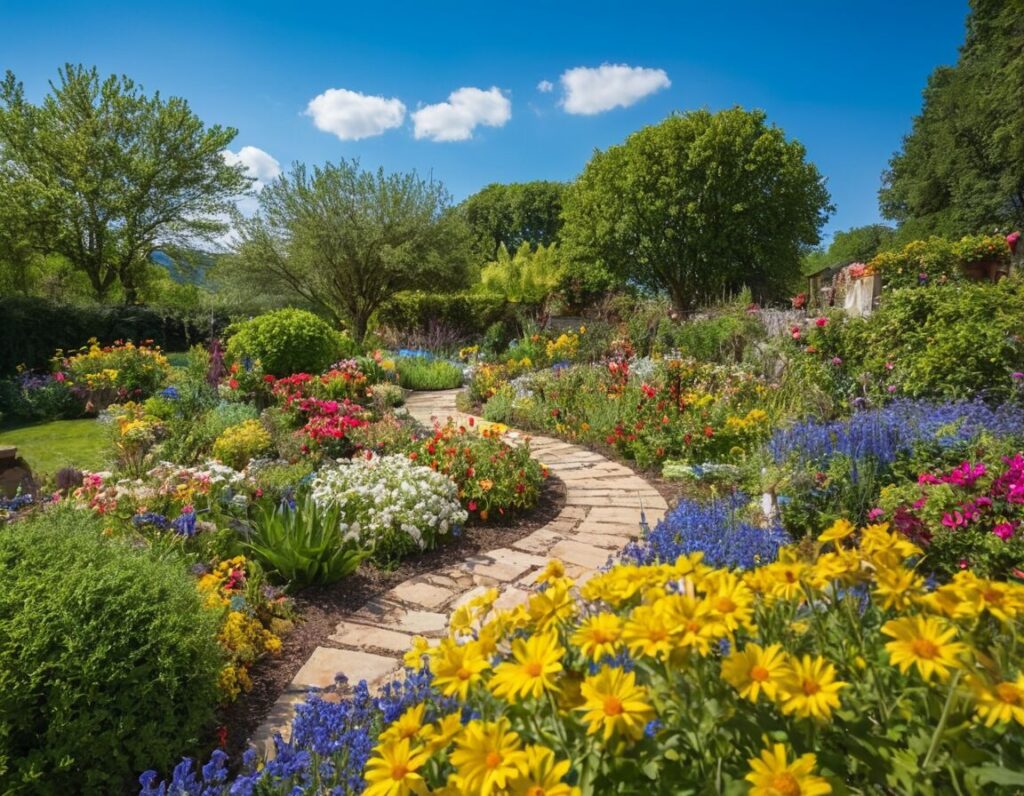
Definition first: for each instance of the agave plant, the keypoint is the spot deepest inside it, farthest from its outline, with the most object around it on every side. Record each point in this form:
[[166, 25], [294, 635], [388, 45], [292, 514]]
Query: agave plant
[[302, 542]]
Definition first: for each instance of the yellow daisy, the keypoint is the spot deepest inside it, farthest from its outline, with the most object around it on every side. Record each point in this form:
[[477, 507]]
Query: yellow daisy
[[487, 757], [543, 775], [408, 725], [552, 606], [414, 657], [537, 660], [839, 529], [393, 769], [440, 734], [648, 632], [598, 636], [898, 587], [614, 704], [926, 642], [772, 774], [810, 688], [1001, 702], [456, 667], [754, 670], [731, 601]]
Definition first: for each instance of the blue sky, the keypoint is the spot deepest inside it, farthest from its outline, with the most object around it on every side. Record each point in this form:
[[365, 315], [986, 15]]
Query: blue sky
[[845, 78]]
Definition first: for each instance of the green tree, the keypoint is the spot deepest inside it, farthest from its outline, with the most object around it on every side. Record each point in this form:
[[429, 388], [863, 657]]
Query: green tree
[[344, 240], [699, 206], [111, 175], [961, 168], [855, 245], [513, 214], [529, 276]]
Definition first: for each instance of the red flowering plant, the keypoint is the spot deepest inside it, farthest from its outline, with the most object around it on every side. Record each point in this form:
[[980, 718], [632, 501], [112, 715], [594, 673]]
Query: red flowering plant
[[247, 382], [324, 423], [970, 517], [494, 478]]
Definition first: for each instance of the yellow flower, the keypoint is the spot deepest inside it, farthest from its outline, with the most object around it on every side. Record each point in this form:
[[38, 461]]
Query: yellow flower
[[486, 484], [553, 605], [839, 529], [754, 670], [598, 636], [487, 757], [553, 572], [772, 774], [731, 601], [614, 704], [392, 771], [785, 579], [462, 619], [999, 703], [810, 688], [456, 667], [925, 642], [414, 657], [898, 587], [543, 775], [692, 621], [649, 632], [408, 725], [537, 660], [441, 733]]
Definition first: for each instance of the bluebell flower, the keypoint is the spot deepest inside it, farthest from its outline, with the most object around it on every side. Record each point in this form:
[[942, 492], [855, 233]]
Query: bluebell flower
[[152, 519], [170, 393], [185, 524]]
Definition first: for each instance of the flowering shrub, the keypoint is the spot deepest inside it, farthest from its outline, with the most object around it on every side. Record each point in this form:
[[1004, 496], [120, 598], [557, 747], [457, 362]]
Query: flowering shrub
[[289, 341], [486, 378], [719, 530], [38, 396], [104, 374], [492, 477], [237, 445], [420, 373], [325, 423], [938, 261], [967, 518], [390, 504]]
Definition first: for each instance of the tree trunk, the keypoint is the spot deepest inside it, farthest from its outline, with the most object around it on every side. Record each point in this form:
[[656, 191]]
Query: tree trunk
[[360, 322]]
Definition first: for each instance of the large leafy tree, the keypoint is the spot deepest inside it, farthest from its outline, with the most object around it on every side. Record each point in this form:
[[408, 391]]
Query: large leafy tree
[[344, 240], [961, 168], [699, 206], [512, 214], [855, 245], [107, 175]]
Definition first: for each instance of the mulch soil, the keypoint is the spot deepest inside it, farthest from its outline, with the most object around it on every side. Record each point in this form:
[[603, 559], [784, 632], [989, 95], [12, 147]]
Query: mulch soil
[[320, 609]]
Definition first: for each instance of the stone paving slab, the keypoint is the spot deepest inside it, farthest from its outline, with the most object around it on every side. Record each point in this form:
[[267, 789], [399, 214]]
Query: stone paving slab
[[602, 513]]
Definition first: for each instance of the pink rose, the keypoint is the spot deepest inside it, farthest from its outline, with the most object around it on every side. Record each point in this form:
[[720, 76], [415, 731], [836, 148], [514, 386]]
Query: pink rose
[[821, 322]]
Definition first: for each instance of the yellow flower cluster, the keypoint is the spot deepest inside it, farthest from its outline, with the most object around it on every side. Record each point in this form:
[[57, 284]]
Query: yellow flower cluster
[[754, 420], [547, 668], [565, 346]]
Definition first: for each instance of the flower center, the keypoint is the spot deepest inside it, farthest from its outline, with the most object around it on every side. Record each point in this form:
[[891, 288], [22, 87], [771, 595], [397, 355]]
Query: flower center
[[612, 706], [790, 577], [534, 669], [785, 784], [810, 687], [993, 596], [464, 673], [923, 648], [725, 605], [1008, 693], [760, 674], [657, 634], [398, 771], [493, 760], [600, 637], [535, 790]]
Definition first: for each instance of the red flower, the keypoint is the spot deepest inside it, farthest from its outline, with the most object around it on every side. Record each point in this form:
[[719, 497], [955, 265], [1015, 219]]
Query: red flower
[[709, 432], [269, 379], [821, 322], [471, 505], [233, 384]]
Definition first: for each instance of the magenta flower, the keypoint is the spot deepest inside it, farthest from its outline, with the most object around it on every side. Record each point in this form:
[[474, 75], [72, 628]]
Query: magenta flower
[[837, 361], [1012, 240], [1017, 375], [821, 322], [1004, 530], [876, 513]]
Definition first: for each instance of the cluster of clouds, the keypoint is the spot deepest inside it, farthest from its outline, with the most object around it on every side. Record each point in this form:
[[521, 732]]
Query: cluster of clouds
[[351, 115]]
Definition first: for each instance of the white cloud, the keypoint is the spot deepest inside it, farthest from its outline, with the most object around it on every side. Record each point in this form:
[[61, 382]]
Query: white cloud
[[545, 86], [593, 90], [351, 115], [466, 108], [258, 164]]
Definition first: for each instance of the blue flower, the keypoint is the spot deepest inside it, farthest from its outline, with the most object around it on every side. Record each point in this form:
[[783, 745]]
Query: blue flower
[[185, 524], [170, 393], [151, 518]]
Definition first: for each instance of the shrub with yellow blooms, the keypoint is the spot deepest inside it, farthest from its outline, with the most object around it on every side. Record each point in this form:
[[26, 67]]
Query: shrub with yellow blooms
[[835, 669]]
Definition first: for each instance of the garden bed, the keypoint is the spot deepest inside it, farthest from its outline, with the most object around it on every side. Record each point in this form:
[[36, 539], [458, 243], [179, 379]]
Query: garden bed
[[320, 609]]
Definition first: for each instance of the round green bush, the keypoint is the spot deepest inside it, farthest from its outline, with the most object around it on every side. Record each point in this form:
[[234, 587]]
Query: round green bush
[[108, 659], [289, 341]]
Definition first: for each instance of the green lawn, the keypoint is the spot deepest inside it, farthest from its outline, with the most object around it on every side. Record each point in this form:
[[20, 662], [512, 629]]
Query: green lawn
[[49, 446]]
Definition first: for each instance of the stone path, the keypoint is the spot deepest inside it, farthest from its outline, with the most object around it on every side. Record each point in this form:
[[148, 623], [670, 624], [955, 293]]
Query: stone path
[[601, 514]]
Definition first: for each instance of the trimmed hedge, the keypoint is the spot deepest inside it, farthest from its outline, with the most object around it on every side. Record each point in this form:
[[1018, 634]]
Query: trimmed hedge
[[33, 328], [289, 341], [468, 314]]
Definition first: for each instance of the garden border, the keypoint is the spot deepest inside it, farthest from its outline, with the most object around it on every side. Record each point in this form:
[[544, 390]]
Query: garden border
[[604, 506]]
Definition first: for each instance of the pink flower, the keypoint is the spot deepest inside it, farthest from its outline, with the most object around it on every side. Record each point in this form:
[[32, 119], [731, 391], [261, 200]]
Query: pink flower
[[1012, 240], [1017, 375], [1004, 530], [889, 366], [876, 513], [821, 322], [891, 388], [58, 376], [837, 361], [963, 563]]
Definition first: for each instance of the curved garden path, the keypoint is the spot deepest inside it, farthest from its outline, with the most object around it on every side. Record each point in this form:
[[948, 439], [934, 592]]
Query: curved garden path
[[602, 512]]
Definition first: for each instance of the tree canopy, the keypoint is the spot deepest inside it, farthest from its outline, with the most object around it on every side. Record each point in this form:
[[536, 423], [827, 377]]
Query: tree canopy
[[513, 214], [344, 240], [106, 175], [961, 168], [855, 245], [699, 206]]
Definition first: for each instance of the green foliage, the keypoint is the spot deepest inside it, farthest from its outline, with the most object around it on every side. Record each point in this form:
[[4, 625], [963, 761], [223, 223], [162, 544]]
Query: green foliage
[[112, 175], [961, 168], [418, 373], [855, 245], [513, 214], [289, 341], [529, 276], [466, 314], [938, 261], [699, 206], [345, 240], [238, 444], [303, 544], [108, 659]]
